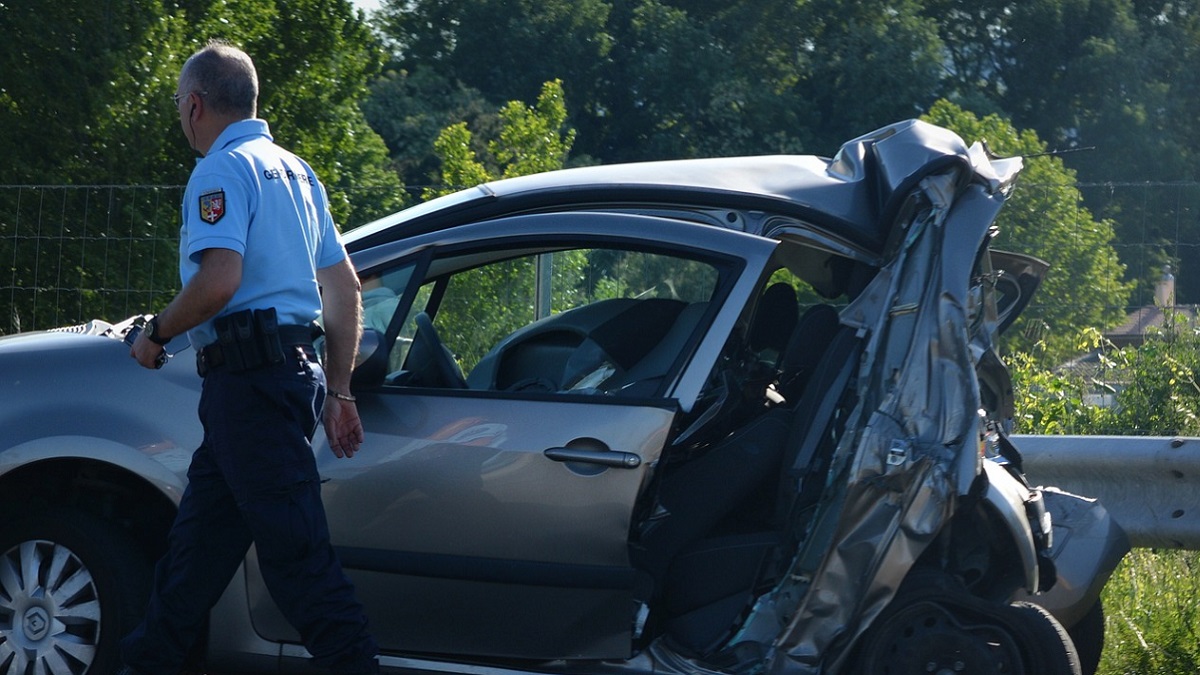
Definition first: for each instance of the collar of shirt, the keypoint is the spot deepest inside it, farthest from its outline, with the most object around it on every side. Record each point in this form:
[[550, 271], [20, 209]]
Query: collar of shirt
[[239, 132]]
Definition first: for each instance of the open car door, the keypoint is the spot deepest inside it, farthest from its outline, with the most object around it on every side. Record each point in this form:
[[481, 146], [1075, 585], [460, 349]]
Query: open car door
[[489, 510]]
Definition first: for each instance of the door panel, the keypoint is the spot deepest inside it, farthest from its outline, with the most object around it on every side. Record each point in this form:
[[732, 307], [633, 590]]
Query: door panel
[[462, 536]]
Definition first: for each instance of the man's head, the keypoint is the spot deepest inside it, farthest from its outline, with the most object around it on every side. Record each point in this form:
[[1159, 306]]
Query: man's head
[[217, 86]]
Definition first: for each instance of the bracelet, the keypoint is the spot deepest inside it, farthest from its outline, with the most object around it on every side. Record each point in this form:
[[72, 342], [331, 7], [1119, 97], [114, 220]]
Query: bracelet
[[341, 397]]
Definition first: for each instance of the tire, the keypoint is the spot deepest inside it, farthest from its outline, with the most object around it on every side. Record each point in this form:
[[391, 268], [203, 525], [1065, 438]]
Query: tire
[[71, 586], [929, 636], [1042, 639], [1088, 636]]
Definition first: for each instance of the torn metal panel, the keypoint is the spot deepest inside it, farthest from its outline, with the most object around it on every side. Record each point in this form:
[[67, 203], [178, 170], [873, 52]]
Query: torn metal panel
[[917, 389]]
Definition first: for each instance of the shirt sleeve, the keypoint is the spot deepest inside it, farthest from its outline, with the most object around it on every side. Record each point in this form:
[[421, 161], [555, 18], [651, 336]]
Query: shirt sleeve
[[218, 211]]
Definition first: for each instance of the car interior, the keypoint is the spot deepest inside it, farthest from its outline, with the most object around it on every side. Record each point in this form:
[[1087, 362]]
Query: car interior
[[728, 514]]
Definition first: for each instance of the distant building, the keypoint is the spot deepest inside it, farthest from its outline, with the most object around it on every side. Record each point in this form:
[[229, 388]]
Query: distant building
[[1138, 323], [1132, 333]]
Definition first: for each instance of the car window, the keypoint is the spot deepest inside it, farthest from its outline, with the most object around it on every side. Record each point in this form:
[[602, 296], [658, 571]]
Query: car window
[[573, 320], [382, 291]]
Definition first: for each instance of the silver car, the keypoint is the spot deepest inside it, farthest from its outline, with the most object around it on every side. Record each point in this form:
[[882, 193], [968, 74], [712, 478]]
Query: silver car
[[723, 415]]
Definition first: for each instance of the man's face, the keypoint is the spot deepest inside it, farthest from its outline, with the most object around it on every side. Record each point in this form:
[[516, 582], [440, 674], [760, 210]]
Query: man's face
[[185, 104]]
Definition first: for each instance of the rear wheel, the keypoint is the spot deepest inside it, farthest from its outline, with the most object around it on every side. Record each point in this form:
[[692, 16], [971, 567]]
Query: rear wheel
[[71, 585]]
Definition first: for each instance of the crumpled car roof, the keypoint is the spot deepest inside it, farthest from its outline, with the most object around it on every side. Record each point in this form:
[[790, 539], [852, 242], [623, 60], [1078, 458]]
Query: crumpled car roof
[[852, 195]]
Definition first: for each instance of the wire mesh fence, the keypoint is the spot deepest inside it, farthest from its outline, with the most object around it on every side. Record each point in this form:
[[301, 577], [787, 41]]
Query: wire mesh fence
[[78, 253]]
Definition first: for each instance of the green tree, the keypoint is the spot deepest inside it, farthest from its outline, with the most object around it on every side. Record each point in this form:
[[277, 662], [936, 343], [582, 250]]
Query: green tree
[[498, 50], [77, 76], [1116, 80], [873, 63], [86, 100], [408, 109], [530, 140], [501, 296], [1045, 218], [505, 49], [86, 92], [659, 79]]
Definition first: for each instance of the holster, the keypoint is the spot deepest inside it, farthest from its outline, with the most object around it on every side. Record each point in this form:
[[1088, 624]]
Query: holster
[[248, 339]]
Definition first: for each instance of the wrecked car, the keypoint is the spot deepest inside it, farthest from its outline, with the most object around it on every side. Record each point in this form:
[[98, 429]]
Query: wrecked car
[[702, 416]]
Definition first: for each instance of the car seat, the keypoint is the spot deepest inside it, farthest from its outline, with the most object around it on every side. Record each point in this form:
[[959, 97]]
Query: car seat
[[774, 322], [645, 377], [806, 346]]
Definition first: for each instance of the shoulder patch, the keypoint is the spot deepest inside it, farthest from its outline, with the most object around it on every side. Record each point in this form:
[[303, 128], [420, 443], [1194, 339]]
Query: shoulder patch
[[212, 206]]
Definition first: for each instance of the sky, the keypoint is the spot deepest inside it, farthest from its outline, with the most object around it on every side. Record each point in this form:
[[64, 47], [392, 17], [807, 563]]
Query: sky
[[366, 5]]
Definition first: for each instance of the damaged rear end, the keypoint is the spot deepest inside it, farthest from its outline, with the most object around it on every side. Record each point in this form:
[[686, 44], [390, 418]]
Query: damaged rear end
[[912, 524]]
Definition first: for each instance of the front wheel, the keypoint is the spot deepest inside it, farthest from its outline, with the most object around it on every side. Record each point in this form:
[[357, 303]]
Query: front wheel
[[945, 638], [1088, 636], [1047, 646], [71, 585]]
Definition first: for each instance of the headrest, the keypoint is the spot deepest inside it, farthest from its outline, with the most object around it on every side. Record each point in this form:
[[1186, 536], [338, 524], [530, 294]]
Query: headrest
[[775, 318]]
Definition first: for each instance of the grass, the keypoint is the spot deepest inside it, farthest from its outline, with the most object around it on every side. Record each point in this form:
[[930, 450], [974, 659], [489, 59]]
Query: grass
[[1152, 607]]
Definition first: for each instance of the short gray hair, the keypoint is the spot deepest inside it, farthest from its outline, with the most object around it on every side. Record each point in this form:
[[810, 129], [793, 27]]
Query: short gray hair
[[225, 76]]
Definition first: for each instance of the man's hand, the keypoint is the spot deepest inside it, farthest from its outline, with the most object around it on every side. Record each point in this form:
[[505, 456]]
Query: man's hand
[[343, 428], [148, 354]]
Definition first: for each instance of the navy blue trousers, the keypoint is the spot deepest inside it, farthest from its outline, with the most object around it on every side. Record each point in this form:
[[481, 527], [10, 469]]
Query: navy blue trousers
[[254, 480]]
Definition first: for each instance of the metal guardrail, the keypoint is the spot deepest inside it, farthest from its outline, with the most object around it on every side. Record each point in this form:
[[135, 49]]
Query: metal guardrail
[[1149, 484]]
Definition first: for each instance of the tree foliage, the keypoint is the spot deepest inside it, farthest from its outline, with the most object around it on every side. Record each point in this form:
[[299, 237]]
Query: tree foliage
[[86, 96], [75, 84], [1046, 218], [1151, 389], [529, 140], [1114, 79], [654, 79], [85, 100]]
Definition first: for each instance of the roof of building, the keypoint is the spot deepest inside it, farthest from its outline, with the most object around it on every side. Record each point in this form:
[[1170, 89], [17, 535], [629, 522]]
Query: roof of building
[[1140, 321]]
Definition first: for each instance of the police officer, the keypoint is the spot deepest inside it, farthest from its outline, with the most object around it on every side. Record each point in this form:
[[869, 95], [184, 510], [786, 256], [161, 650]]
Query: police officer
[[259, 261]]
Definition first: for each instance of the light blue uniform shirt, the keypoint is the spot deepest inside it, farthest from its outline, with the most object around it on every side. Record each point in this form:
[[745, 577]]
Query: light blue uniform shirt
[[250, 196]]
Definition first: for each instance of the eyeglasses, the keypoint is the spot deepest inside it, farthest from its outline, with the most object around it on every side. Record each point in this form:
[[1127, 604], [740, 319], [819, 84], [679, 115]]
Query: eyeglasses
[[176, 98]]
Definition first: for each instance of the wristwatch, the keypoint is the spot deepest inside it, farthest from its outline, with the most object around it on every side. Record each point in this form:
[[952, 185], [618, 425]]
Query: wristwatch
[[152, 332]]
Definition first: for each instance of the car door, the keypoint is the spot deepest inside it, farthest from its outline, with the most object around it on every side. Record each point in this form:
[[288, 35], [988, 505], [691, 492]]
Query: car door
[[492, 519]]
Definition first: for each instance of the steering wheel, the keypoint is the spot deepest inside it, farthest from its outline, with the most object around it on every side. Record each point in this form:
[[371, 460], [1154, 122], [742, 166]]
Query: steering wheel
[[434, 354]]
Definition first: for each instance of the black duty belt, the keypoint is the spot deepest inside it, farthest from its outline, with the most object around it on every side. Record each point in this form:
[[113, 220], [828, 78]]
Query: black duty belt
[[212, 357]]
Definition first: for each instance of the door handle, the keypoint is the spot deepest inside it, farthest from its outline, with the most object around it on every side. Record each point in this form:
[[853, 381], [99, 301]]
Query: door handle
[[617, 460]]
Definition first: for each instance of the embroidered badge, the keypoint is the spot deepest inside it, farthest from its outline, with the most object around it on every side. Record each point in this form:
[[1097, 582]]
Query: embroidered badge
[[212, 206]]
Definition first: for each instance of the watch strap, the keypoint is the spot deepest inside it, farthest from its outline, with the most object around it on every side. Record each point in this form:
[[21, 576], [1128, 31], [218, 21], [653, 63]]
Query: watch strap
[[154, 334]]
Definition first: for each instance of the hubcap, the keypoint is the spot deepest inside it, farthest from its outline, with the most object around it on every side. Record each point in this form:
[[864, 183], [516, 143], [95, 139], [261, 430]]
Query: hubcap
[[49, 610]]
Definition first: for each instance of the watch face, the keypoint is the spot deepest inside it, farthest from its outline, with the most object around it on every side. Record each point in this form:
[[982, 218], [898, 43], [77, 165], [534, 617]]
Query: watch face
[[152, 332]]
